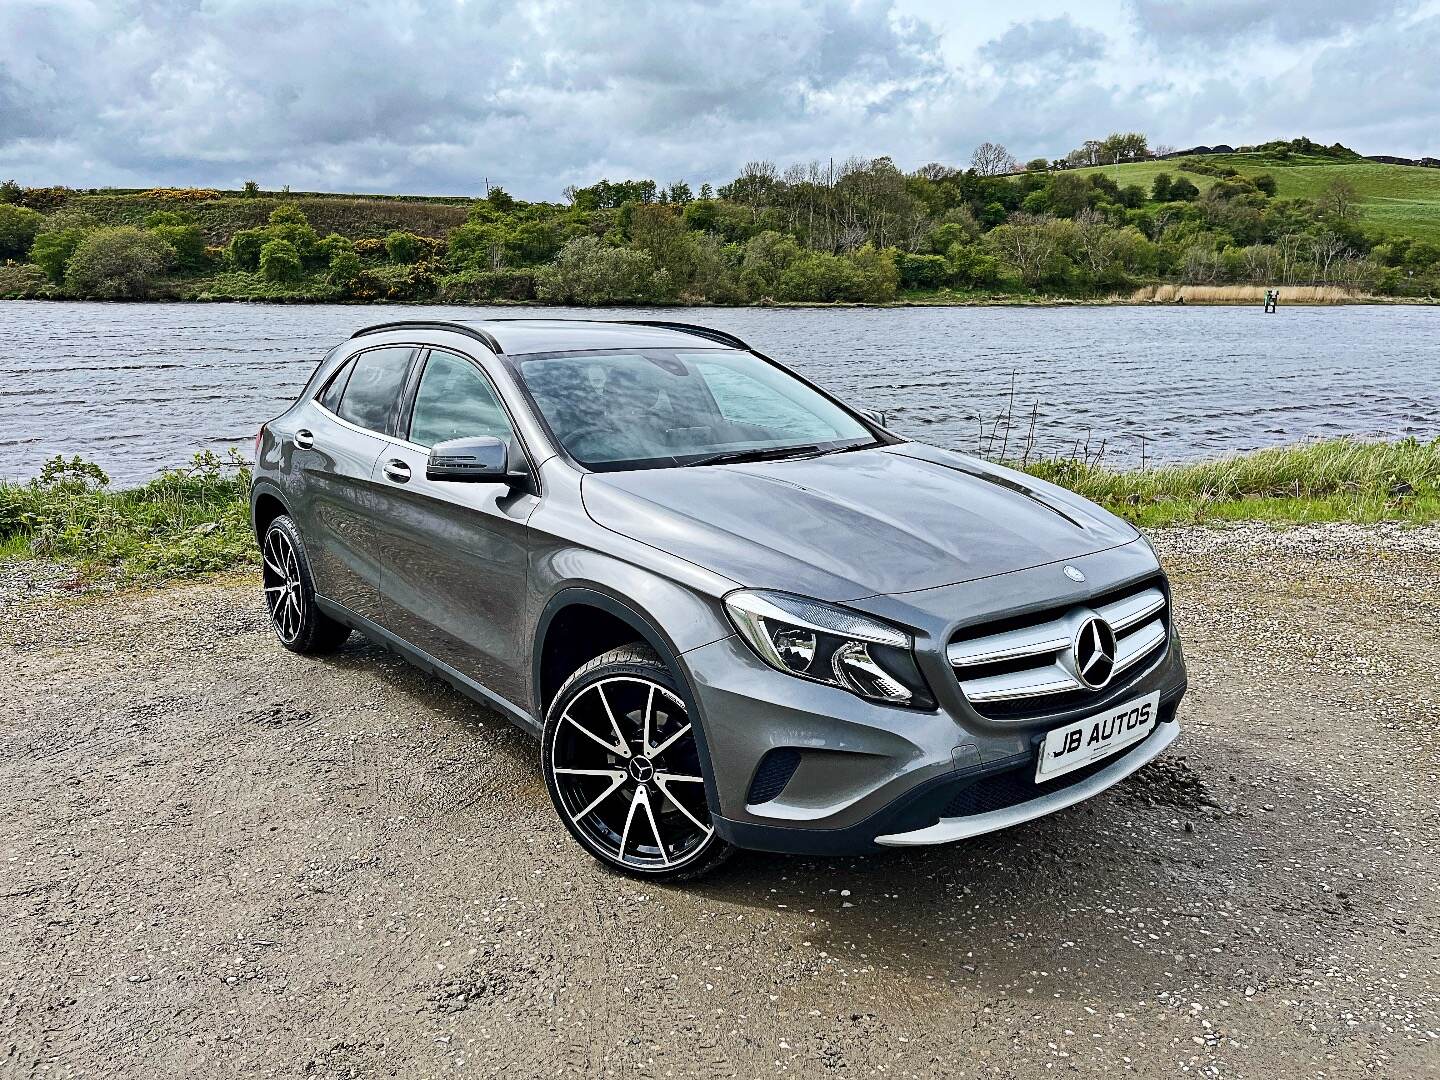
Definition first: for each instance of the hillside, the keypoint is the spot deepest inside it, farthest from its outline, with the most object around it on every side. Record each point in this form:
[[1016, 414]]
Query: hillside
[[1398, 199]]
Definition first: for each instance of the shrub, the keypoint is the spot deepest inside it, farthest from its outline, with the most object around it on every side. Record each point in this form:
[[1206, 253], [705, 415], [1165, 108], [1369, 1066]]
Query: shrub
[[589, 271], [370, 249], [767, 255], [51, 251], [21, 281], [279, 261], [488, 285], [1160, 187], [923, 271], [181, 194], [18, 226], [244, 250], [344, 268], [188, 242], [817, 276], [404, 247], [117, 264]]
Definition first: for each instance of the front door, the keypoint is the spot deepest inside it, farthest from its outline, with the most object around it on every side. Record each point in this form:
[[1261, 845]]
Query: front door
[[456, 553]]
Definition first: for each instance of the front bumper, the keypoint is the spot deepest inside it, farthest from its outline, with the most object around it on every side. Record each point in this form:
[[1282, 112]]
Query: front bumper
[[807, 768]]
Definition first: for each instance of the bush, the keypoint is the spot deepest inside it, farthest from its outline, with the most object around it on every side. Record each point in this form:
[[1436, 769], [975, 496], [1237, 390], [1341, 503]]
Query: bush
[[405, 247], [279, 261], [344, 268], [817, 276], [18, 226], [244, 250], [117, 264], [923, 271], [51, 251], [188, 242], [21, 281], [488, 285], [589, 271]]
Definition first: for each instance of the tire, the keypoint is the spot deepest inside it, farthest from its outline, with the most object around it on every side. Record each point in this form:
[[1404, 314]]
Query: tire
[[625, 771], [290, 593]]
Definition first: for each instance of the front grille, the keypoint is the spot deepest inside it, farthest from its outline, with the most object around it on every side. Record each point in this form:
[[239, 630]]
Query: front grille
[[1001, 791], [1020, 669]]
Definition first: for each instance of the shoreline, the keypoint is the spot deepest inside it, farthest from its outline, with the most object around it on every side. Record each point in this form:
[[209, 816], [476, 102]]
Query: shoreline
[[996, 301]]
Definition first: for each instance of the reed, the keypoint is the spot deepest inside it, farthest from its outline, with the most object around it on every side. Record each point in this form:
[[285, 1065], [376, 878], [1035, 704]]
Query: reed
[[1247, 294]]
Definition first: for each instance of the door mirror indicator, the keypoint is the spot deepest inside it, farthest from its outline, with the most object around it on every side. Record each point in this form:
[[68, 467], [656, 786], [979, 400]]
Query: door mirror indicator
[[481, 460]]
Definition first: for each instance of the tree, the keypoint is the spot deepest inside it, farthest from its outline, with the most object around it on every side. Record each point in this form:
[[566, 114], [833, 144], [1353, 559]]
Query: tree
[[1160, 187], [244, 248], [1182, 190], [1038, 164], [117, 264], [992, 159], [52, 249], [405, 247], [767, 256], [18, 226], [1340, 199], [589, 271], [280, 262]]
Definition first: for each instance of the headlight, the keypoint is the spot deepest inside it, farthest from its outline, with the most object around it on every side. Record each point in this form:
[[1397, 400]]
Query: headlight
[[830, 645]]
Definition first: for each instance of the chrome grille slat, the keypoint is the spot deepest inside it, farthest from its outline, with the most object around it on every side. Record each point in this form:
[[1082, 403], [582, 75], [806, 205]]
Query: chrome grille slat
[[1123, 614], [1140, 626]]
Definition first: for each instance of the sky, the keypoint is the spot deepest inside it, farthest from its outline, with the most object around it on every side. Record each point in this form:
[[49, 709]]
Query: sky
[[443, 96]]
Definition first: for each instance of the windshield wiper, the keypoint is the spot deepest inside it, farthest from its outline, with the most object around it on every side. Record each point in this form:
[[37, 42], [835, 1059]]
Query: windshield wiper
[[765, 454]]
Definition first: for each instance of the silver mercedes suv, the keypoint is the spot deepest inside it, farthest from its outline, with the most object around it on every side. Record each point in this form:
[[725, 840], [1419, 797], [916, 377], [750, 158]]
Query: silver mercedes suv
[[737, 612]]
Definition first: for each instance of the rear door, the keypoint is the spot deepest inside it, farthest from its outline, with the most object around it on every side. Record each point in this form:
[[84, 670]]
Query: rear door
[[456, 554], [346, 428]]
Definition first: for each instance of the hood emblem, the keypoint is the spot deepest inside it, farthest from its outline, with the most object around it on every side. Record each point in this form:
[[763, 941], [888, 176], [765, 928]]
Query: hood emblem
[[1074, 574]]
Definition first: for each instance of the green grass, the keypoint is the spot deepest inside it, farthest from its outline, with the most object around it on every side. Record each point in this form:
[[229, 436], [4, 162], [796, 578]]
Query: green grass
[[195, 520], [1335, 480], [1397, 199], [185, 522]]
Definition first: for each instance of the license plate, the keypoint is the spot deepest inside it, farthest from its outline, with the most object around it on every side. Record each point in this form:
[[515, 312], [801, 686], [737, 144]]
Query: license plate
[[1076, 745]]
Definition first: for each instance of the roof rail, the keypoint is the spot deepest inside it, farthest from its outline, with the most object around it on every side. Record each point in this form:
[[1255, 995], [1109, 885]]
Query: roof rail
[[690, 328], [433, 324]]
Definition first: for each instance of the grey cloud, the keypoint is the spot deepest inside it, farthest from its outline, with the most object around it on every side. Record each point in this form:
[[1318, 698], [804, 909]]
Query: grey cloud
[[1189, 22], [1043, 41]]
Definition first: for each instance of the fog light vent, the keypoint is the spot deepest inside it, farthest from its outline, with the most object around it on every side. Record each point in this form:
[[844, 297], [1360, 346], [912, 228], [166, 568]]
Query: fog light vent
[[776, 769]]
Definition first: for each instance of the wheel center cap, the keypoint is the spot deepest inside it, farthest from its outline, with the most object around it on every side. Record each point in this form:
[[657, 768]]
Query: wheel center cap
[[642, 770]]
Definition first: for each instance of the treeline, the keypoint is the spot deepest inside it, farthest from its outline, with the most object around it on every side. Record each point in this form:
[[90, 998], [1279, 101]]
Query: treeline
[[863, 231]]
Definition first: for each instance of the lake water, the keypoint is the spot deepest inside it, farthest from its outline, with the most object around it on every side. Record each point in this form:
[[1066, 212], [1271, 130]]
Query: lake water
[[136, 387]]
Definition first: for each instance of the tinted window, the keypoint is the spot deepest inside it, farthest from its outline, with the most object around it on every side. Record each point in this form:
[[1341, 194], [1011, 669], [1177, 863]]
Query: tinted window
[[374, 387], [455, 401], [655, 408], [331, 397]]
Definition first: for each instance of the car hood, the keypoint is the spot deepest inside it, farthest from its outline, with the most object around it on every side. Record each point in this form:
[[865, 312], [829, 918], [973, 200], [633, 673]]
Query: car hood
[[843, 526]]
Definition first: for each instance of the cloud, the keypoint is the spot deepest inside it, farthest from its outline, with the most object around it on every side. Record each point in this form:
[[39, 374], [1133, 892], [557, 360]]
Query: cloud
[[1043, 41], [1183, 22], [437, 95]]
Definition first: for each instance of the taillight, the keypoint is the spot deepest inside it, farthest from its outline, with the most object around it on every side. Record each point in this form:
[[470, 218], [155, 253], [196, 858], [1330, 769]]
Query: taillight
[[259, 436]]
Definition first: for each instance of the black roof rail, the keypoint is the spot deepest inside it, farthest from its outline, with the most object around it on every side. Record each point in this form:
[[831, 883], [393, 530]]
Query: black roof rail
[[432, 324], [690, 328]]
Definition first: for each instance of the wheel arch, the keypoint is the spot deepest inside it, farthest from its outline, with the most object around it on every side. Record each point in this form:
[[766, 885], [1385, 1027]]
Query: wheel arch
[[266, 504], [579, 607]]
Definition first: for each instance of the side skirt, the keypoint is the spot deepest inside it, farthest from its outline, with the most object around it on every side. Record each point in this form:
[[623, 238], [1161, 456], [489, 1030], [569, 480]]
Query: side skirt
[[428, 664]]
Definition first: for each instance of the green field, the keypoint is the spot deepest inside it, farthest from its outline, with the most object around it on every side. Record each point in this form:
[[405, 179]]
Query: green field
[[1398, 199]]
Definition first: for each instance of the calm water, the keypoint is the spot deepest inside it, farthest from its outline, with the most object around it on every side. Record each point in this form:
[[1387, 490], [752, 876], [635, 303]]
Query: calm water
[[137, 387]]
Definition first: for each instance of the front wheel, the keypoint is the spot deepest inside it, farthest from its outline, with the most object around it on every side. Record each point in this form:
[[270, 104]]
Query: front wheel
[[625, 769], [290, 592]]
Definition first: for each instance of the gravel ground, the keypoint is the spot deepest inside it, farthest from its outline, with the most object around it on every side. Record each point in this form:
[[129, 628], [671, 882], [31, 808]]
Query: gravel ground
[[218, 859]]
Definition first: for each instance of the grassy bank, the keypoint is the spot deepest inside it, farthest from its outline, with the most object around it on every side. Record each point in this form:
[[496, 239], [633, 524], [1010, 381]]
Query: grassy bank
[[194, 520]]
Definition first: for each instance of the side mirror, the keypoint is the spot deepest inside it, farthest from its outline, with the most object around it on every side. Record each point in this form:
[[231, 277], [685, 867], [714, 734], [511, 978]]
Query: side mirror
[[874, 415], [481, 460]]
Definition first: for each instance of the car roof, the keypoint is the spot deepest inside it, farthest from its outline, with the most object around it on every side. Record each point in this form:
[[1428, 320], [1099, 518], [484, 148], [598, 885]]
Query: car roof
[[520, 336]]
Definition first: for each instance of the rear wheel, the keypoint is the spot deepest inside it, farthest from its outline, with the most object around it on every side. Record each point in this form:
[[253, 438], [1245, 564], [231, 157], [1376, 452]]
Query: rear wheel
[[625, 770], [290, 593]]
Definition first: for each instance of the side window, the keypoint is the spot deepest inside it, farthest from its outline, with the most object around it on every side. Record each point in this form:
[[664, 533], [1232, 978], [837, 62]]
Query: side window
[[454, 401], [376, 378], [330, 397]]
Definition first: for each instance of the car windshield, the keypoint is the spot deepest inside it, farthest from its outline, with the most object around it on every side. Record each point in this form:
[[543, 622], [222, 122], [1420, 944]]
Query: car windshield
[[662, 408]]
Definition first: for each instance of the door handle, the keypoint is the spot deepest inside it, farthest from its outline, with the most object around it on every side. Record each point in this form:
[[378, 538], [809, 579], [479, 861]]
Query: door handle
[[397, 471], [304, 439]]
